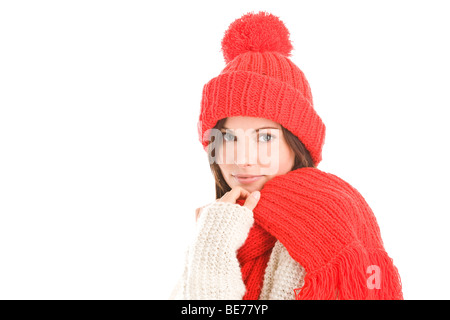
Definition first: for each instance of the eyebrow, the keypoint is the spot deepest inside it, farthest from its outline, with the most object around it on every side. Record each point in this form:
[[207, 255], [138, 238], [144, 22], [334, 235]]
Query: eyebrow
[[253, 130]]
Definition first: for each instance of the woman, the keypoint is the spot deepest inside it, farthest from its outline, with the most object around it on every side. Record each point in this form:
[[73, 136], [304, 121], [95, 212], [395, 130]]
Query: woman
[[280, 228]]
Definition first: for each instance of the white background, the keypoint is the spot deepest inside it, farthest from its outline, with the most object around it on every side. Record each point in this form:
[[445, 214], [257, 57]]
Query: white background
[[100, 165]]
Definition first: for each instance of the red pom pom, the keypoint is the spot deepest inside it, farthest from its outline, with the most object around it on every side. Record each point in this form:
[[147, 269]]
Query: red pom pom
[[259, 32]]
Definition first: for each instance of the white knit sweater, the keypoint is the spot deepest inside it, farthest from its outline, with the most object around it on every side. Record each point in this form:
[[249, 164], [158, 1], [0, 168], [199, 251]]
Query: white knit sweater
[[212, 269]]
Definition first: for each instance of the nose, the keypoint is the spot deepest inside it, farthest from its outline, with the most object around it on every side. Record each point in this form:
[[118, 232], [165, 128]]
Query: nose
[[246, 153]]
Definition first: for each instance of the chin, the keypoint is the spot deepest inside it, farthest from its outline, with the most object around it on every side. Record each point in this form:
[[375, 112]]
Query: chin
[[256, 187]]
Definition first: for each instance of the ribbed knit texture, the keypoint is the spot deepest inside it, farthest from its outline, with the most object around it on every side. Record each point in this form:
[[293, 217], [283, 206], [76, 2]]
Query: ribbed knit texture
[[253, 257], [329, 229]]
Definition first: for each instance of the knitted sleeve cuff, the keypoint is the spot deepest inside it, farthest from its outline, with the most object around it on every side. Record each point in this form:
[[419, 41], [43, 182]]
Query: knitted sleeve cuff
[[225, 224], [213, 268]]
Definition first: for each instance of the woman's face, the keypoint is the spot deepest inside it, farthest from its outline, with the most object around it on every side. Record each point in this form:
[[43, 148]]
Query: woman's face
[[253, 147]]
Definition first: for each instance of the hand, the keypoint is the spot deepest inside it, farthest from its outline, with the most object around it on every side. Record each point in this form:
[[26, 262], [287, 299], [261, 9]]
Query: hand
[[233, 195]]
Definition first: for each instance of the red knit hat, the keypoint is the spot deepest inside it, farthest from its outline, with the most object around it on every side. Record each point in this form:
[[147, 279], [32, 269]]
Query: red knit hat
[[260, 80]]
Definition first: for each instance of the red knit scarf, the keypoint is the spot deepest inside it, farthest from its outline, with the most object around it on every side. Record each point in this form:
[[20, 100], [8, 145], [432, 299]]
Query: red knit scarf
[[329, 229]]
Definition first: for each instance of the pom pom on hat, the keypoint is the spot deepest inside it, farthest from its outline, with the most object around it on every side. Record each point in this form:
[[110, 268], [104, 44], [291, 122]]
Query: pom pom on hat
[[259, 32]]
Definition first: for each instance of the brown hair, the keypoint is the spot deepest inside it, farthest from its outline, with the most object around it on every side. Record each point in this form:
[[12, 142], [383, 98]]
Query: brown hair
[[302, 158]]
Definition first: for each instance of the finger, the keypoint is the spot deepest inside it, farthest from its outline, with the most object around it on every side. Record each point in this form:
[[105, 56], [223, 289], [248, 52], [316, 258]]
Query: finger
[[235, 194], [252, 200]]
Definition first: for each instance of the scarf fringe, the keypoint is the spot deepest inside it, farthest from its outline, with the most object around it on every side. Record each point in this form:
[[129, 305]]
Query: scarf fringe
[[356, 273]]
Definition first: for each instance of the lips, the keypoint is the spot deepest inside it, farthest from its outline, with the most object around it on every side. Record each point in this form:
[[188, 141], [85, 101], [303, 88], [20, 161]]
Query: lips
[[246, 178], [243, 176]]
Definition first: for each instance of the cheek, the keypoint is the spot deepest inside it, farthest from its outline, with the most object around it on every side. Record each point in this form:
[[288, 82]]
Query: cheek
[[226, 171], [286, 159], [224, 168]]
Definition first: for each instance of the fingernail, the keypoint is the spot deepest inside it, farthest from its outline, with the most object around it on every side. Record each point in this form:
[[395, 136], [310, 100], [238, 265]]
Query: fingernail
[[256, 194]]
